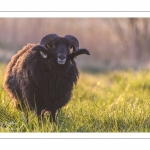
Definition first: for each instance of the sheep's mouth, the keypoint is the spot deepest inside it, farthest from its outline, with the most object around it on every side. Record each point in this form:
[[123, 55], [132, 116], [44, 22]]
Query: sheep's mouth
[[61, 62]]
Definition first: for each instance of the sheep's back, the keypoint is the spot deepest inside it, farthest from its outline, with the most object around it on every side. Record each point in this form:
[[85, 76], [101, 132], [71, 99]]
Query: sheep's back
[[12, 70]]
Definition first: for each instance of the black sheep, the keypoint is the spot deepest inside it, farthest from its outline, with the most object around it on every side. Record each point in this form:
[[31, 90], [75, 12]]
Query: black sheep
[[42, 76]]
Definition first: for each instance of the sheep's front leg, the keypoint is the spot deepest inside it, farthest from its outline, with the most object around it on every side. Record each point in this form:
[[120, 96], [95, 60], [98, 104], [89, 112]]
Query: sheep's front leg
[[53, 116]]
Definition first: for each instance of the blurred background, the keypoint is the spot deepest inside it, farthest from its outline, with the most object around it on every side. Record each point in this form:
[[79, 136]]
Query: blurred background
[[114, 43]]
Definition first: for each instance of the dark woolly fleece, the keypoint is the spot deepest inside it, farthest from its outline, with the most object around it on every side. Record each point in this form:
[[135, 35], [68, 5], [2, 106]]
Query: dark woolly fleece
[[41, 83]]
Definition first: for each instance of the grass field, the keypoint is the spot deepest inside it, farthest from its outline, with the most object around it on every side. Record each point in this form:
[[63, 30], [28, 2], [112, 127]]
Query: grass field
[[104, 102]]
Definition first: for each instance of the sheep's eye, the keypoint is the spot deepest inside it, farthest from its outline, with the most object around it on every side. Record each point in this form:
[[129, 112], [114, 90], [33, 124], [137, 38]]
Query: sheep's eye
[[71, 50], [48, 46]]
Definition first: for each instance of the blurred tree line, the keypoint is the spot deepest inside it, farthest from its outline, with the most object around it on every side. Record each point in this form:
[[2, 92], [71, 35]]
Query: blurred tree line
[[114, 43]]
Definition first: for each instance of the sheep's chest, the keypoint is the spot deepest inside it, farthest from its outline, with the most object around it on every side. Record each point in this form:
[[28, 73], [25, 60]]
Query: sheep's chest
[[60, 87]]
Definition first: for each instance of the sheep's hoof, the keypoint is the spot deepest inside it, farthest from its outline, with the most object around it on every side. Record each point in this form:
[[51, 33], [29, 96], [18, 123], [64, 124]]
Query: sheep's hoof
[[46, 115]]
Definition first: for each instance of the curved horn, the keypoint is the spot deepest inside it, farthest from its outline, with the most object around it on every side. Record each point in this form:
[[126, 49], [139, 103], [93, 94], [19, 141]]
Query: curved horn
[[44, 46], [75, 44], [73, 41], [48, 38]]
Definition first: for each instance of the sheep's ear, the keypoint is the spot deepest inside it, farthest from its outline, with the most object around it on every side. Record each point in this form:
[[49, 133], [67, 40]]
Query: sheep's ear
[[43, 54], [79, 52], [43, 50]]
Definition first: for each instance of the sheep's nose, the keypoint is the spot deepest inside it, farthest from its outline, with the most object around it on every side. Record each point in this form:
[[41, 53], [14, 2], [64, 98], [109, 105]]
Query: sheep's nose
[[61, 57]]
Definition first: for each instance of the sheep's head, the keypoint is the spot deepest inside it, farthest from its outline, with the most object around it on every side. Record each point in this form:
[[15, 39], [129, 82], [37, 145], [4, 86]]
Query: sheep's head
[[61, 49]]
